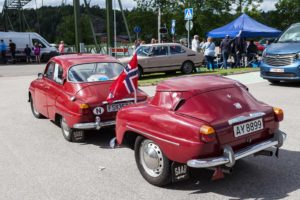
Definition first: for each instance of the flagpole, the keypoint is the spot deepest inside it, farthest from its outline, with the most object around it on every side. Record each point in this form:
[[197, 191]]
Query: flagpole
[[135, 96]]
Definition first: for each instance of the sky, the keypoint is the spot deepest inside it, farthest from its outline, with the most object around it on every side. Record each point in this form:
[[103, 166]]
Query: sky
[[129, 4]]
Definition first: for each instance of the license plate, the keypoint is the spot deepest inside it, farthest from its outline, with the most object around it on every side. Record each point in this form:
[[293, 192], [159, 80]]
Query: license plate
[[179, 172], [117, 106], [276, 70], [248, 127]]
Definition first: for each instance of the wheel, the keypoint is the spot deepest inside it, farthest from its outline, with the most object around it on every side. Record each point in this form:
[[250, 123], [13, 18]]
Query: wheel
[[274, 81], [140, 72], [70, 134], [35, 113], [187, 67], [151, 162]]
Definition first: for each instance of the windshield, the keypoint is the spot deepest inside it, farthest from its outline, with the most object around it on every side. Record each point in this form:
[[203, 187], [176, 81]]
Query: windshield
[[291, 35], [143, 50], [92, 72]]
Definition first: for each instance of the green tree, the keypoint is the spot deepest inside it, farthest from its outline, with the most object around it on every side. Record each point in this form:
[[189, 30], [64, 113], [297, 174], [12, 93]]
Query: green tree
[[288, 11]]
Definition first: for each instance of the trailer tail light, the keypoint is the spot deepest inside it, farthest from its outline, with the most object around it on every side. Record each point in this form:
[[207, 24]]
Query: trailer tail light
[[207, 133], [278, 112]]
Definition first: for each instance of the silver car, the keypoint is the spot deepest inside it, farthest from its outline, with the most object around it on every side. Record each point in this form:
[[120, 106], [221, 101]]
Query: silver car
[[166, 57]]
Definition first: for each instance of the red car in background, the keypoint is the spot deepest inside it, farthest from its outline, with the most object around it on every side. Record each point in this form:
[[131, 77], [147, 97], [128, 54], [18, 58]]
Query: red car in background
[[260, 48], [199, 122], [72, 92]]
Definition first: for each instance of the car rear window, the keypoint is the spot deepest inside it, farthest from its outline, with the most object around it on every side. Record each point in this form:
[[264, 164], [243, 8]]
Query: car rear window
[[92, 72]]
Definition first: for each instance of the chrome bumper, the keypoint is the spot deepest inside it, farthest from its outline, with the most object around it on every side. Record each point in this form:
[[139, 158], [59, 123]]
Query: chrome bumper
[[94, 125], [229, 157]]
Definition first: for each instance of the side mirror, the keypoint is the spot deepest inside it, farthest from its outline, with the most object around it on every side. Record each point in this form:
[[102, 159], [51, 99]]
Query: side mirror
[[40, 75]]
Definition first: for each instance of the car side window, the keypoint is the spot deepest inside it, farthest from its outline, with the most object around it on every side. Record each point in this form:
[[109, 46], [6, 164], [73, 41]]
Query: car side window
[[39, 42], [58, 74], [176, 49], [160, 51], [49, 71]]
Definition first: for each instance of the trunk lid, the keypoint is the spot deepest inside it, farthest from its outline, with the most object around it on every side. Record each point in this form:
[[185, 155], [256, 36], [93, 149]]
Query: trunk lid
[[228, 107]]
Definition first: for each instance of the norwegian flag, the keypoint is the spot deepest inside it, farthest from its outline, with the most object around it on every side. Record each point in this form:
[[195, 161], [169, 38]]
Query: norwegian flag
[[126, 83]]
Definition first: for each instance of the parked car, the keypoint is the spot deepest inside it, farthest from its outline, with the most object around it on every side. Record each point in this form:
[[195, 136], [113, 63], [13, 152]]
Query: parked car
[[166, 57], [199, 122], [260, 48], [21, 39], [72, 92], [281, 60]]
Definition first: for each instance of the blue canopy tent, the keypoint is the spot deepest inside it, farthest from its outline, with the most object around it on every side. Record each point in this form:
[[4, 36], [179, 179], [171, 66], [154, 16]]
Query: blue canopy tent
[[246, 27]]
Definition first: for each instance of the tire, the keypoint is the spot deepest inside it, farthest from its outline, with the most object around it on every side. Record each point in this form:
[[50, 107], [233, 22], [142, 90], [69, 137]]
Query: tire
[[35, 113], [70, 134], [187, 67], [156, 172], [140, 72], [274, 81]]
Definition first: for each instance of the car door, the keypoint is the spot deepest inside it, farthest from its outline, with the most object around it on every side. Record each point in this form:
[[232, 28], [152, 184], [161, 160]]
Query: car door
[[42, 90], [159, 59], [55, 90], [177, 56]]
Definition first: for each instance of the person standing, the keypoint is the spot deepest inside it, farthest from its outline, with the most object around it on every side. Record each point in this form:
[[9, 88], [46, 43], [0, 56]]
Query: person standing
[[240, 47], [12, 49], [209, 53], [61, 48], [225, 47], [195, 43], [3, 51], [27, 52], [37, 52]]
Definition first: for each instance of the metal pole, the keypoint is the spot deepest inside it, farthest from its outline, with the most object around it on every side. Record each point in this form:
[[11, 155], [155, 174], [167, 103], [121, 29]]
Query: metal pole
[[87, 6], [189, 33], [109, 25], [77, 27], [158, 25], [115, 30], [125, 21]]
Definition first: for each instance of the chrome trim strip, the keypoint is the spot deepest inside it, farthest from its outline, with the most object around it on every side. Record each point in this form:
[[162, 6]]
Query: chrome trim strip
[[245, 118], [116, 101], [229, 157], [93, 125], [152, 136]]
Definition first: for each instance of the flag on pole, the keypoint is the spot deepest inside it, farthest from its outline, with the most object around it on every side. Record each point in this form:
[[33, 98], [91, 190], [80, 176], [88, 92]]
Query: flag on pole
[[126, 83]]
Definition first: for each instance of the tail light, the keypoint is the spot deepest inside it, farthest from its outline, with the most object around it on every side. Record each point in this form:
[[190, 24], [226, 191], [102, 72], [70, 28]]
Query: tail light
[[84, 108], [207, 133], [278, 113]]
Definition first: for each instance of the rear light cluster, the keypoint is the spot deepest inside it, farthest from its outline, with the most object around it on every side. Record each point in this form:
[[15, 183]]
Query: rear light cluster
[[84, 108], [278, 113], [207, 133]]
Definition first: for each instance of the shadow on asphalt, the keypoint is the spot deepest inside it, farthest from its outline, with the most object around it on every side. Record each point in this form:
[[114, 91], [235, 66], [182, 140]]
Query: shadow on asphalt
[[257, 178], [287, 84], [100, 138]]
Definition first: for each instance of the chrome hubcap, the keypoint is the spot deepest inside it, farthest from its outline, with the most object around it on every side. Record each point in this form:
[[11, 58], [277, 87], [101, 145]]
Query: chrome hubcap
[[151, 158], [65, 128]]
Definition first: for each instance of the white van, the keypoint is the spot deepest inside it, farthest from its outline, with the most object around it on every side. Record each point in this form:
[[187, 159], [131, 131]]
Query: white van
[[30, 38]]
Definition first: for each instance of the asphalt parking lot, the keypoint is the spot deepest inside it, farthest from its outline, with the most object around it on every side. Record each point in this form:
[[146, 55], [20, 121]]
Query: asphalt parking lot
[[37, 163]]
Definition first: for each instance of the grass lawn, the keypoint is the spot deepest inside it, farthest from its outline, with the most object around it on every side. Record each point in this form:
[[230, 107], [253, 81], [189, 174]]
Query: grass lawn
[[155, 78]]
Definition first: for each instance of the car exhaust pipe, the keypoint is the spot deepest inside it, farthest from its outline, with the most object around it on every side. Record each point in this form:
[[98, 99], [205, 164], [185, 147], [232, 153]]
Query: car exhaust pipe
[[264, 153]]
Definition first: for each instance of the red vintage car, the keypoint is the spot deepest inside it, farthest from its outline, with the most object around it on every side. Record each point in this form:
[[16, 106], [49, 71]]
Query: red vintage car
[[72, 92], [199, 122]]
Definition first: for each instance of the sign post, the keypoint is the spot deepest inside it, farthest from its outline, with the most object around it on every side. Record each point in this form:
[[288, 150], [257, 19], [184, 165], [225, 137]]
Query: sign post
[[188, 15]]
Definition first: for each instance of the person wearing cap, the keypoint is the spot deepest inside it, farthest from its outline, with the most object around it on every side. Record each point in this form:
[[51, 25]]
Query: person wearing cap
[[195, 43], [225, 48]]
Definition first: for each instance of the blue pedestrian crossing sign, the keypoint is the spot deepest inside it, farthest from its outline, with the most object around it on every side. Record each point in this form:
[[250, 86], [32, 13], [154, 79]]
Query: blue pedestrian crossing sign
[[188, 14]]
